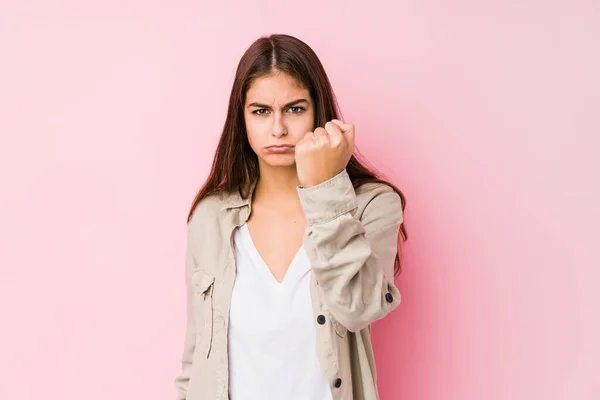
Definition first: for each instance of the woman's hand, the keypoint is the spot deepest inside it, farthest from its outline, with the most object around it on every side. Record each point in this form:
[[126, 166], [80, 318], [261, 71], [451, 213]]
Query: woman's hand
[[324, 153]]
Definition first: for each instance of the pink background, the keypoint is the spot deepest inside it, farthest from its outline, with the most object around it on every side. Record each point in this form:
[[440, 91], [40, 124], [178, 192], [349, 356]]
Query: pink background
[[485, 113]]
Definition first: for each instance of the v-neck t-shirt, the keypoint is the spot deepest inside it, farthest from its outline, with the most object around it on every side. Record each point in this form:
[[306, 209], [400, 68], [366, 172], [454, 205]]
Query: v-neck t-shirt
[[272, 335]]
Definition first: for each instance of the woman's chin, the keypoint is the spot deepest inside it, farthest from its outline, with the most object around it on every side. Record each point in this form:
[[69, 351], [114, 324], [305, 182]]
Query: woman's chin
[[279, 160]]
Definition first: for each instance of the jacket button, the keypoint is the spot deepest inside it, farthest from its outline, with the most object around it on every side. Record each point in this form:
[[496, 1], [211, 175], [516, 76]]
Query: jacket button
[[389, 298], [321, 319], [337, 383]]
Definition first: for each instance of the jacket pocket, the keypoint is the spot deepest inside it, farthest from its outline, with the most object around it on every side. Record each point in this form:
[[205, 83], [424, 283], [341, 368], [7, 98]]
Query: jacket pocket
[[340, 329], [203, 284]]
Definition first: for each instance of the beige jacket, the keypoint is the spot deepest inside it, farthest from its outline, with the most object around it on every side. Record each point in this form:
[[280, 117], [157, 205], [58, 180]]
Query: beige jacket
[[351, 241]]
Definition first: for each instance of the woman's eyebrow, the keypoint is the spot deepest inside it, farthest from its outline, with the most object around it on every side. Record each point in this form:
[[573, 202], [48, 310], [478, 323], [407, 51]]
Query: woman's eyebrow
[[291, 104]]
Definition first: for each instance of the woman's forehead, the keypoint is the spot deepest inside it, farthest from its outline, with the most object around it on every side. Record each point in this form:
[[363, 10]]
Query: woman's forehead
[[276, 89]]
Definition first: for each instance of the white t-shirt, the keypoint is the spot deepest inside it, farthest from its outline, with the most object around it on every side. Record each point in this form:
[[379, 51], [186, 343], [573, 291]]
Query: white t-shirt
[[272, 335]]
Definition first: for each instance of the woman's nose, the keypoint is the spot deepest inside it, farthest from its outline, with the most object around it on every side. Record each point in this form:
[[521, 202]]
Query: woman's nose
[[279, 128]]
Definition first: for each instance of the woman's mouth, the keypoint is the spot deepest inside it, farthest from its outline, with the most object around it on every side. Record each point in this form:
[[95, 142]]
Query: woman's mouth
[[278, 149]]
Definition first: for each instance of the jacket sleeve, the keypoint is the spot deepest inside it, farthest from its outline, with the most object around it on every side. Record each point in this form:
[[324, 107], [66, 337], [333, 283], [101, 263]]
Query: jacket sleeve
[[182, 380], [352, 259]]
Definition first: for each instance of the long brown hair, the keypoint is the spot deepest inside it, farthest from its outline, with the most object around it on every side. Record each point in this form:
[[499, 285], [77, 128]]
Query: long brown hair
[[235, 164]]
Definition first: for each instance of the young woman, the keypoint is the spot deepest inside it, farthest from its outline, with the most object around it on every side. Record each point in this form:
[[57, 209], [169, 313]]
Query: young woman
[[292, 244]]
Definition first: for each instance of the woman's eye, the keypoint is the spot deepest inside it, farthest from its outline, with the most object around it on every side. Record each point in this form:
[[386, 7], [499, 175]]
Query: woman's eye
[[262, 111], [296, 110]]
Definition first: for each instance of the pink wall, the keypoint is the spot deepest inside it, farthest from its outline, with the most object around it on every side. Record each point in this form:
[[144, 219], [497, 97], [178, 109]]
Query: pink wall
[[485, 113]]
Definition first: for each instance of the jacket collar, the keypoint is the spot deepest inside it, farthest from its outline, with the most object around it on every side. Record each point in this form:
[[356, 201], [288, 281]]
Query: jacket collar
[[235, 200]]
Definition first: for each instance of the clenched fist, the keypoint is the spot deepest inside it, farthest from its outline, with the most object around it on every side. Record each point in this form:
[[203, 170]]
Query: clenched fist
[[324, 153]]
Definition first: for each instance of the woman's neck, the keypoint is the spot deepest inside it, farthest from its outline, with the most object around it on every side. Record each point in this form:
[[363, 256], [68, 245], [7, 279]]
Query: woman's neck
[[277, 186]]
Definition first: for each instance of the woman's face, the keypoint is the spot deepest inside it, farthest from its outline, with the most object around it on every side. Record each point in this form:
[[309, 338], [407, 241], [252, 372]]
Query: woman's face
[[278, 112]]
